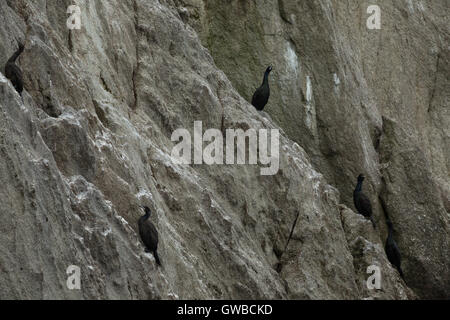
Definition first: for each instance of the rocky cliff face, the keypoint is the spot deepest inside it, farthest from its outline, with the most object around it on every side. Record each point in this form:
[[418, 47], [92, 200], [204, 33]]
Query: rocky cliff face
[[91, 141]]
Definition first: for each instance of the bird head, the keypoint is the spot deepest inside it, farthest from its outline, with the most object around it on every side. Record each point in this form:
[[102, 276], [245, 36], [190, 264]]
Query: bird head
[[146, 209], [361, 178], [269, 69]]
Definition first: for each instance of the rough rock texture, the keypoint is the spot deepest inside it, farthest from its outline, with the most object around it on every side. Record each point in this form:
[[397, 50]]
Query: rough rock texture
[[91, 141], [357, 100]]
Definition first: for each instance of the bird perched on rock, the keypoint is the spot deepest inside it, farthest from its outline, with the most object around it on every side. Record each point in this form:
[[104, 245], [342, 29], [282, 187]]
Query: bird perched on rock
[[362, 202], [13, 72], [262, 94], [392, 251], [149, 234]]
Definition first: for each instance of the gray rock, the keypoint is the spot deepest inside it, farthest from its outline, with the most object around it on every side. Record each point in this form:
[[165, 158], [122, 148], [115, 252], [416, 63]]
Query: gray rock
[[91, 141], [358, 78]]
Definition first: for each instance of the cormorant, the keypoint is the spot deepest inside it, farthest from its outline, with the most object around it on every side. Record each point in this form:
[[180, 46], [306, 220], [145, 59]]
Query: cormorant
[[13, 72], [362, 202], [262, 94], [149, 234], [392, 251]]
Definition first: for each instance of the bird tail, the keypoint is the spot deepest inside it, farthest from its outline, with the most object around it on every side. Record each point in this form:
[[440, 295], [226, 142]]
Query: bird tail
[[373, 223], [155, 254]]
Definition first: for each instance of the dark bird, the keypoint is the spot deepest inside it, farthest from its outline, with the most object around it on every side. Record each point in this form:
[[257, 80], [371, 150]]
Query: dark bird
[[392, 251], [149, 234], [362, 202], [262, 94], [13, 72]]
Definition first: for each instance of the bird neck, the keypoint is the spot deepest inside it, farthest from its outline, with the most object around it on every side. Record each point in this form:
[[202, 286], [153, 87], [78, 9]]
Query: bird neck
[[266, 78], [145, 216], [359, 186], [390, 231], [15, 55]]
